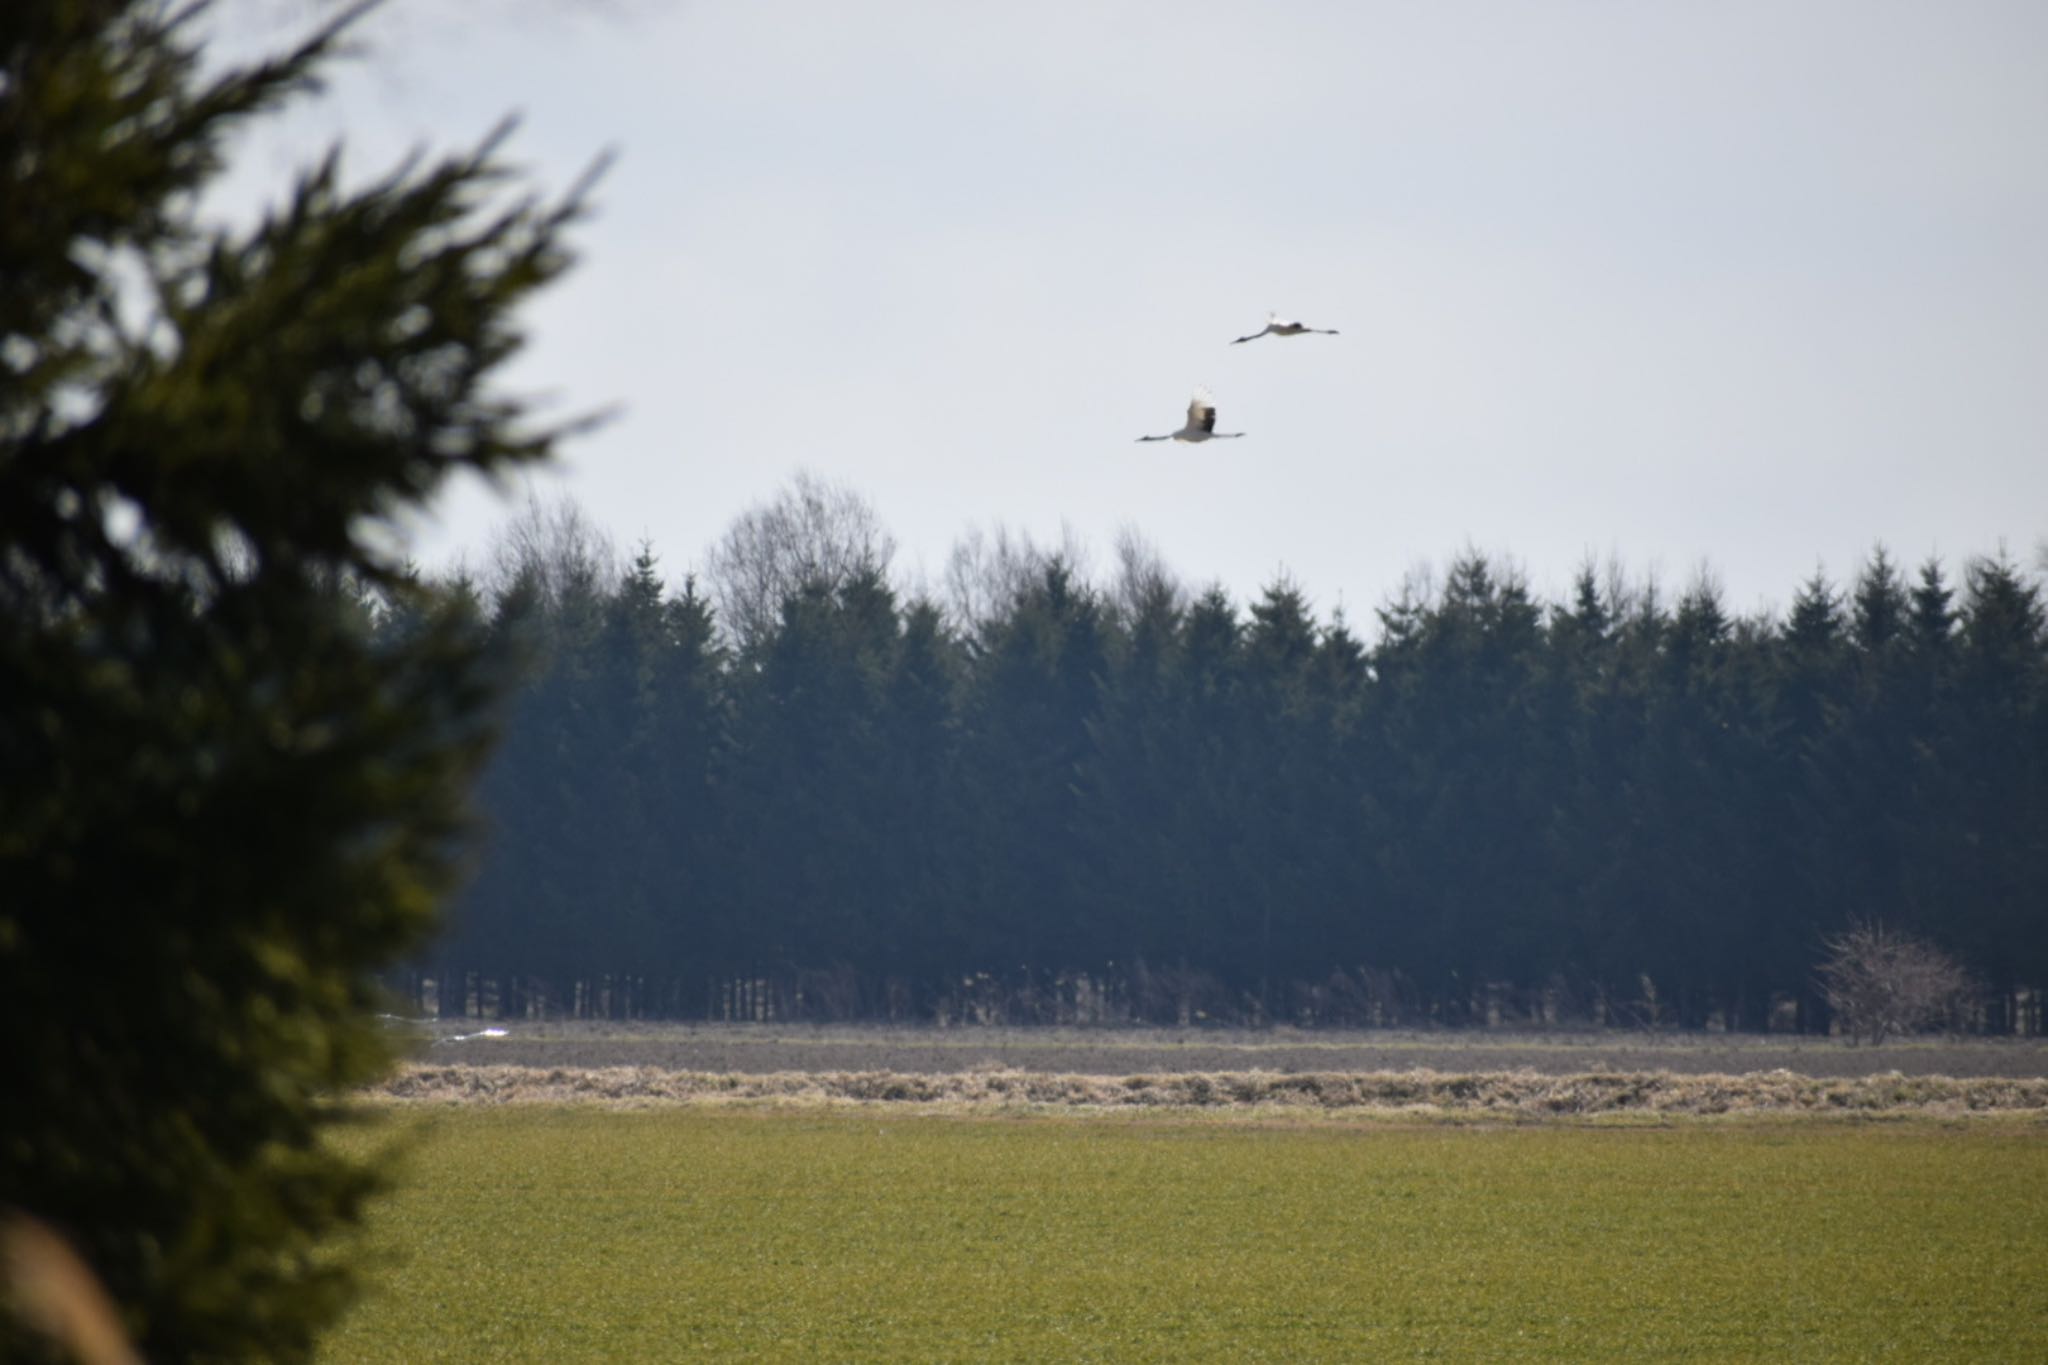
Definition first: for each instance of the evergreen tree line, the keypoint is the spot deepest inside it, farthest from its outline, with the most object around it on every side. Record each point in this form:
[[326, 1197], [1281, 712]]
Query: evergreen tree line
[[1134, 802]]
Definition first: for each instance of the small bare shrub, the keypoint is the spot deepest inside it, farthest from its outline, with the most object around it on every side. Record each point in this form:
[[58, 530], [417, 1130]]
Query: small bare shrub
[[1881, 982]]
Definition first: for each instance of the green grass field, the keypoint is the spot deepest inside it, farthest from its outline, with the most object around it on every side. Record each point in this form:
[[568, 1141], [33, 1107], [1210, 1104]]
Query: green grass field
[[556, 1233]]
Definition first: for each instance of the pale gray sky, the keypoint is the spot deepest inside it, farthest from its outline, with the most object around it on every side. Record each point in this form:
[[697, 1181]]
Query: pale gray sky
[[1750, 284]]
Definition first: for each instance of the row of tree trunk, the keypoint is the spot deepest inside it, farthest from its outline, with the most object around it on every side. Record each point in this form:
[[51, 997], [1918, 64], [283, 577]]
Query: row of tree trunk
[[1173, 996]]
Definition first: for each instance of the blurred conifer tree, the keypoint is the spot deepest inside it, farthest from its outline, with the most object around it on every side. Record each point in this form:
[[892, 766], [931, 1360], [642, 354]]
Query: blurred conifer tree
[[225, 799]]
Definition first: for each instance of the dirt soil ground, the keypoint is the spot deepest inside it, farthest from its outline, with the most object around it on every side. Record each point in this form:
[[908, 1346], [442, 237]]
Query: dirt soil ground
[[760, 1049]]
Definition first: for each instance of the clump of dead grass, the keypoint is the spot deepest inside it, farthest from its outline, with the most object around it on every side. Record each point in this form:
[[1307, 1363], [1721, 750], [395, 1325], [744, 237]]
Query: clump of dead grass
[[1517, 1094]]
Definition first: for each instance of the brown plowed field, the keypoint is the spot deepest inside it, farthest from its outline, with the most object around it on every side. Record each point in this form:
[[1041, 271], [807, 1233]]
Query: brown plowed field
[[759, 1049]]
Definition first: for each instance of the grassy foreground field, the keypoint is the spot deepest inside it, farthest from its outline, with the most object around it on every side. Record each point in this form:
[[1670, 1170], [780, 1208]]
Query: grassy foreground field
[[561, 1233]]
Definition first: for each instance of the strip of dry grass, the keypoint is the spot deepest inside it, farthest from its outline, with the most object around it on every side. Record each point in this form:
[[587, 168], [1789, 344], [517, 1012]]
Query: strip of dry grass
[[1516, 1094]]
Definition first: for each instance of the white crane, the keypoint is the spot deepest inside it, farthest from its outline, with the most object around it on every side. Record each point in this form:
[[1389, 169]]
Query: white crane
[[1201, 424], [1281, 327]]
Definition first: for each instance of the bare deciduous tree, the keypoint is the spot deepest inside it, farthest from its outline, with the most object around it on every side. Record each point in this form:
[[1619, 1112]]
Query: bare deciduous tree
[[1881, 982], [1143, 581], [985, 573], [812, 533], [553, 550]]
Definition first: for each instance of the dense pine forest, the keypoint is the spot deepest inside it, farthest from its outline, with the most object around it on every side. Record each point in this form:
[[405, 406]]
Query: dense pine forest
[[1039, 796]]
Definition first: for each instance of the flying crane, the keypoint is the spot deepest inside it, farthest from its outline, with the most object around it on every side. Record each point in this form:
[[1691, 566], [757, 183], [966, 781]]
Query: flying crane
[[1201, 423], [1280, 327]]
